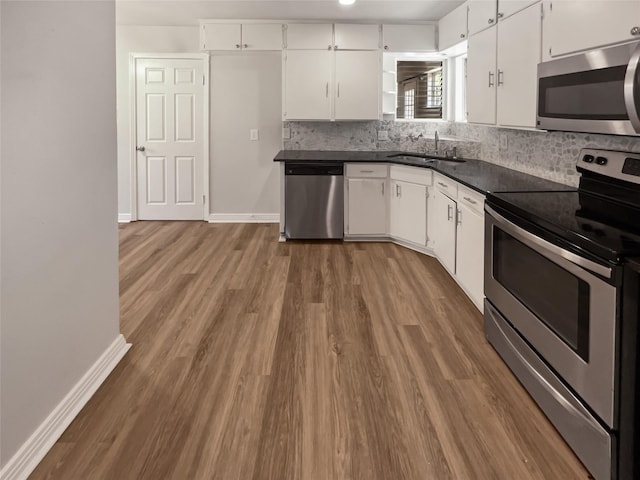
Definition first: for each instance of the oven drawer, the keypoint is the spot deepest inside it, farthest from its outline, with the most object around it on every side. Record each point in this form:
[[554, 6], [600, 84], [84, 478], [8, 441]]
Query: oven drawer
[[588, 439]]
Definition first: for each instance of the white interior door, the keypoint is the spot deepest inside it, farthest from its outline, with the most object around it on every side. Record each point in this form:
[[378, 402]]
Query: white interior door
[[169, 131]]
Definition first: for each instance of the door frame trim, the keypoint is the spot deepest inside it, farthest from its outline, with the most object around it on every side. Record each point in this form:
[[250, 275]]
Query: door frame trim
[[133, 134]]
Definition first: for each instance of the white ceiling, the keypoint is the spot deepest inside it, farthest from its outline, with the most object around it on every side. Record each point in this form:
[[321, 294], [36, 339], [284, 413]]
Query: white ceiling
[[187, 12]]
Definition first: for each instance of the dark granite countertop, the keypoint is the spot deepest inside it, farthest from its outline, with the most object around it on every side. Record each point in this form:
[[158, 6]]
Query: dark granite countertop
[[481, 176]]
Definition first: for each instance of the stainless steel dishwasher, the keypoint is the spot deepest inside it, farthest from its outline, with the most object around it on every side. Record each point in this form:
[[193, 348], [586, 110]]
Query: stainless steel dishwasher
[[314, 200]]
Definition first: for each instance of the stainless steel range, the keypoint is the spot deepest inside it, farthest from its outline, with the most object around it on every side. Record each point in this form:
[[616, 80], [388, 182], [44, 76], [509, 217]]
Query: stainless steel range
[[562, 293]]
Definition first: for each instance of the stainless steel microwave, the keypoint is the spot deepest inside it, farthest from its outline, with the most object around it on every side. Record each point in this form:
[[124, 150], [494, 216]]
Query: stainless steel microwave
[[596, 92]]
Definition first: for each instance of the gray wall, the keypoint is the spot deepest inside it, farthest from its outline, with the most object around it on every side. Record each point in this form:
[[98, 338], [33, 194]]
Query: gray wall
[[59, 247], [245, 94]]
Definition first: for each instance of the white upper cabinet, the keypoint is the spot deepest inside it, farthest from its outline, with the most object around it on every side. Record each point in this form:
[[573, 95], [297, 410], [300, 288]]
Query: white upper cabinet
[[236, 36], [519, 52], [409, 38], [576, 25], [481, 77], [262, 36], [357, 85], [357, 37], [506, 8], [308, 87], [502, 70], [309, 36], [221, 36], [452, 28], [482, 15]]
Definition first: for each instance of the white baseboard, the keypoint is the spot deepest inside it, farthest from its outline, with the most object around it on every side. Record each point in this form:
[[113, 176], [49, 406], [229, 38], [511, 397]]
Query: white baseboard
[[244, 218], [124, 217], [27, 458]]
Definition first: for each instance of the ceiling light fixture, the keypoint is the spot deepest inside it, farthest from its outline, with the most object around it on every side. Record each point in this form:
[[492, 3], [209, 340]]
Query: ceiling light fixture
[[347, 2]]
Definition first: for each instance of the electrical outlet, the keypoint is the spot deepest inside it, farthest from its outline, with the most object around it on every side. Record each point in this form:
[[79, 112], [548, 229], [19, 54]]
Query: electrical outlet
[[504, 141], [253, 134], [286, 133], [383, 135]]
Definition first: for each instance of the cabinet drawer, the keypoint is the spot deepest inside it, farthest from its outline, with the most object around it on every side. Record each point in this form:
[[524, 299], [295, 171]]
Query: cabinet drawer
[[446, 185], [473, 199], [421, 176], [366, 170]]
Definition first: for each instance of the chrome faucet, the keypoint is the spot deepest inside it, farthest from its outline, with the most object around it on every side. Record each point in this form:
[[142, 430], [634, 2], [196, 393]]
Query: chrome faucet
[[436, 139]]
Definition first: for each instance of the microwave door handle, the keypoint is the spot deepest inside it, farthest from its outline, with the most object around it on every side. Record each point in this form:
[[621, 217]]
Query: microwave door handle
[[528, 237], [631, 86]]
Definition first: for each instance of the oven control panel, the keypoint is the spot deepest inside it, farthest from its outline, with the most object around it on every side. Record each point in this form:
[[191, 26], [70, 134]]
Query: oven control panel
[[615, 164]]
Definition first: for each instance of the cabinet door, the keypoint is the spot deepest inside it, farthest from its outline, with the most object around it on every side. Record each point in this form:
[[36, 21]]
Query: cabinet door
[[308, 84], [452, 28], [481, 77], [261, 36], [309, 36], [409, 212], [357, 37], [221, 36], [470, 252], [409, 38], [519, 52], [574, 25], [482, 15], [357, 88], [445, 231], [367, 208], [506, 8]]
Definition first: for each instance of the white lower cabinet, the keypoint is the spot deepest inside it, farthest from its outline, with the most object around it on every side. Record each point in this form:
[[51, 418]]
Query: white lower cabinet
[[445, 231], [408, 196], [367, 205], [458, 225], [408, 209], [470, 252]]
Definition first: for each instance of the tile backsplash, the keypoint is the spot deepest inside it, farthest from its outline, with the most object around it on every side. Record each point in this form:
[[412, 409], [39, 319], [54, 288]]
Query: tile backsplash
[[550, 155]]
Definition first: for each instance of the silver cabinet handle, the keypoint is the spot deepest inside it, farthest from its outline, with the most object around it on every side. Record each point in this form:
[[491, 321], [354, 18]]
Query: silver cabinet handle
[[327, 90], [383, 189], [471, 201], [386, 47], [140, 149], [237, 45], [500, 77], [336, 47], [635, 31], [329, 47], [443, 185], [630, 87], [459, 213], [462, 35], [491, 75], [366, 171], [338, 89], [449, 212], [500, 15], [397, 190], [491, 20], [245, 46]]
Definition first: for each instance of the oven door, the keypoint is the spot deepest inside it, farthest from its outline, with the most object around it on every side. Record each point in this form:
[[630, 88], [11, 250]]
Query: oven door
[[559, 302], [597, 92]]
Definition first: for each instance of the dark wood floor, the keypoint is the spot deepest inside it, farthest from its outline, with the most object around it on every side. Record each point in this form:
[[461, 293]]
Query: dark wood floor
[[254, 359]]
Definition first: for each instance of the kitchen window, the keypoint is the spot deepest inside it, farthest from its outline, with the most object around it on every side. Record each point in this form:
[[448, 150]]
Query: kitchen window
[[419, 87]]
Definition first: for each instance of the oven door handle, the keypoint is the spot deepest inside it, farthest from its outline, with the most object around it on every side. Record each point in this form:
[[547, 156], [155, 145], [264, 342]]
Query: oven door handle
[[529, 237], [630, 87]]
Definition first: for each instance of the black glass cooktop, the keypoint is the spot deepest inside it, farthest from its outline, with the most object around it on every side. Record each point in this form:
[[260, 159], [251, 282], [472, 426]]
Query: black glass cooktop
[[607, 229]]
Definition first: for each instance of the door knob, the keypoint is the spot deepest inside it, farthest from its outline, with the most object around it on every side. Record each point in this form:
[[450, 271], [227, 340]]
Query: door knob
[[140, 149]]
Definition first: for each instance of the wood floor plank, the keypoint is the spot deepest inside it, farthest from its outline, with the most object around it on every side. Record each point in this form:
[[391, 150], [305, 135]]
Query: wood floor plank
[[256, 359]]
